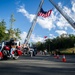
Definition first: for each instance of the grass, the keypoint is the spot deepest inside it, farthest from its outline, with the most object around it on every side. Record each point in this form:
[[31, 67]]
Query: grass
[[68, 51]]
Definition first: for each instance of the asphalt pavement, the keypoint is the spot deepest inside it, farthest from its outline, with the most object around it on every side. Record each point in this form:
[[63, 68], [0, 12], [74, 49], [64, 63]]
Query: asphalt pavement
[[38, 65]]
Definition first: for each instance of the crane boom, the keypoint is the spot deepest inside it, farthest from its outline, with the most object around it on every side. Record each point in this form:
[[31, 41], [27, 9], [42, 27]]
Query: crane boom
[[69, 19], [33, 24]]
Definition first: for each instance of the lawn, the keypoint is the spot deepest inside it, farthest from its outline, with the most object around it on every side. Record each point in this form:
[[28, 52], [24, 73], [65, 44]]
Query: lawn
[[68, 51]]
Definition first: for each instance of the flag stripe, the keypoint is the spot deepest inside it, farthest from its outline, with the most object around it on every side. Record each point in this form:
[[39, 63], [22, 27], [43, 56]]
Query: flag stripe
[[44, 14]]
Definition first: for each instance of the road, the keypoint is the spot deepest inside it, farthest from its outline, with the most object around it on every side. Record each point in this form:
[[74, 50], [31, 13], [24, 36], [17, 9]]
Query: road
[[38, 65]]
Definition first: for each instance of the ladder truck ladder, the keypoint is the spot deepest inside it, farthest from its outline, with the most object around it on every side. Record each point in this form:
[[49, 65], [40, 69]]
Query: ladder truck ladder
[[33, 24], [64, 14]]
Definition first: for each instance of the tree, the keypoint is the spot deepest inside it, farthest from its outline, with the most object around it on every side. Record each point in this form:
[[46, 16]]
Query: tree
[[2, 30], [6, 34], [39, 46], [17, 33], [13, 33]]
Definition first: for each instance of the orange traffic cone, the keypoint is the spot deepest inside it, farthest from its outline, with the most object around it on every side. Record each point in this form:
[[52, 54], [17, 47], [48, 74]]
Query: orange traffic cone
[[63, 59]]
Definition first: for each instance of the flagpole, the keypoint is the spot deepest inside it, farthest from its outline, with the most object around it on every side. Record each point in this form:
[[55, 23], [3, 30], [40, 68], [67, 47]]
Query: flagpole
[[33, 24]]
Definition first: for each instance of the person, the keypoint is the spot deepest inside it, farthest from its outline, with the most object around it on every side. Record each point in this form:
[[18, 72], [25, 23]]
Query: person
[[12, 46], [31, 50], [31, 53], [45, 51]]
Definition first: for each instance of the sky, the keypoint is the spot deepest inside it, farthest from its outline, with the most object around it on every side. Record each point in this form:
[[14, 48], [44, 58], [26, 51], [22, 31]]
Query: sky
[[25, 10]]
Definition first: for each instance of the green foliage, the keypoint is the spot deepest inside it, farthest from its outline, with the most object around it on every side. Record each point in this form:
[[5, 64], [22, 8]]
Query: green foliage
[[17, 33], [12, 33], [2, 30], [68, 51], [40, 46], [58, 43]]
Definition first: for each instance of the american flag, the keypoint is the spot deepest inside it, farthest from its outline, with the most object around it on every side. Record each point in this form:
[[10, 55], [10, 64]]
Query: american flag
[[45, 36], [44, 13]]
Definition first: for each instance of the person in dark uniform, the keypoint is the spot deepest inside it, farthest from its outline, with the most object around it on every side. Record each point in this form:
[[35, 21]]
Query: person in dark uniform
[[11, 44]]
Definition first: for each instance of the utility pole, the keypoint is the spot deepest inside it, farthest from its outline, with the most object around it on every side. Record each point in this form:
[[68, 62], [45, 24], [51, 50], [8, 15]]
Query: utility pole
[[64, 14]]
